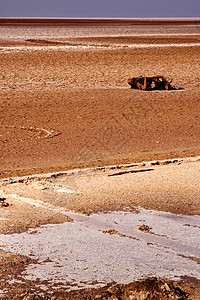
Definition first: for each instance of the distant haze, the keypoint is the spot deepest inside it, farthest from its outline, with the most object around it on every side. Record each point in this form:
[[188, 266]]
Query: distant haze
[[103, 8]]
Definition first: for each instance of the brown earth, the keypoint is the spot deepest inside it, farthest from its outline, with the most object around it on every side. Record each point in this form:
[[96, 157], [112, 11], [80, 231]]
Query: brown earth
[[171, 186], [20, 216], [83, 96], [12, 266], [66, 109], [151, 288]]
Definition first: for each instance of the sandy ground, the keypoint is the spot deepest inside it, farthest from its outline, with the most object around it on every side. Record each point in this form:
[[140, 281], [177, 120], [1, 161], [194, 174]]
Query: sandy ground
[[74, 197], [169, 185], [81, 97], [65, 103]]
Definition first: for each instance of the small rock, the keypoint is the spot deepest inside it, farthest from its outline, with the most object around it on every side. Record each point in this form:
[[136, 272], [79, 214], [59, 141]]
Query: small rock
[[3, 203], [2, 199], [98, 297], [167, 162], [113, 289], [175, 161], [154, 163], [139, 295], [165, 287], [144, 228]]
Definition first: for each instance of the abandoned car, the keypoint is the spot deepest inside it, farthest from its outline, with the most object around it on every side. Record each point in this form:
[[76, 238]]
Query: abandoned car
[[150, 83]]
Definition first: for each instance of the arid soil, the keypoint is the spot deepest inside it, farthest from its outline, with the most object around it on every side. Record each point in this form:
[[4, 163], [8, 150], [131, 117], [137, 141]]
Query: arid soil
[[169, 185], [151, 288], [19, 216], [65, 103], [13, 265], [82, 95]]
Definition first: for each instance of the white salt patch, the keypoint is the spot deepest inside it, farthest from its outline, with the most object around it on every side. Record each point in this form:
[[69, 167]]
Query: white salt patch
[[81, 251]]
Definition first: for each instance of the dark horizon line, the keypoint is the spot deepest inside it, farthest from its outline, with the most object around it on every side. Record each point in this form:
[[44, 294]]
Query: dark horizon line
[[98, 21], [102, 18]]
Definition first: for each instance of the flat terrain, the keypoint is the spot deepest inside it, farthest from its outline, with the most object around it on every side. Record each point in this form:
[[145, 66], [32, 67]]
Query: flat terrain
[[65, 105], [82, 229], [65, 101]]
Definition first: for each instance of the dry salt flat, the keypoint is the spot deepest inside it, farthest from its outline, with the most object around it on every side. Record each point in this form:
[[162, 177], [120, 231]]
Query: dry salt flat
[[117, 246]]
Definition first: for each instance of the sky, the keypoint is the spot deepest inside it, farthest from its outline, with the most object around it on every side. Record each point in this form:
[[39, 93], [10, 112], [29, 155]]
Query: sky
[[102, 8]]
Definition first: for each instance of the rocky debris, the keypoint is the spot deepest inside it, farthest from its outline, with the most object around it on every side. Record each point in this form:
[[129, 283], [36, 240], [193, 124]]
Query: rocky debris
[[144, 228], [152, 288], [3, 203], [113, 231], [110, 231], [131, 171], [86, 171], [146, 289], [155, 163], [167, 162], [31, 295]]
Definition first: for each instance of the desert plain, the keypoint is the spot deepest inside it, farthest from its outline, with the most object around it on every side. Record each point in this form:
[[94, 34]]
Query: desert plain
[[78, 144]]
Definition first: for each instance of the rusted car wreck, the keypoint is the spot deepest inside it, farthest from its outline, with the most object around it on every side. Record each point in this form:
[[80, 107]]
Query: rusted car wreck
[[150, 83]]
